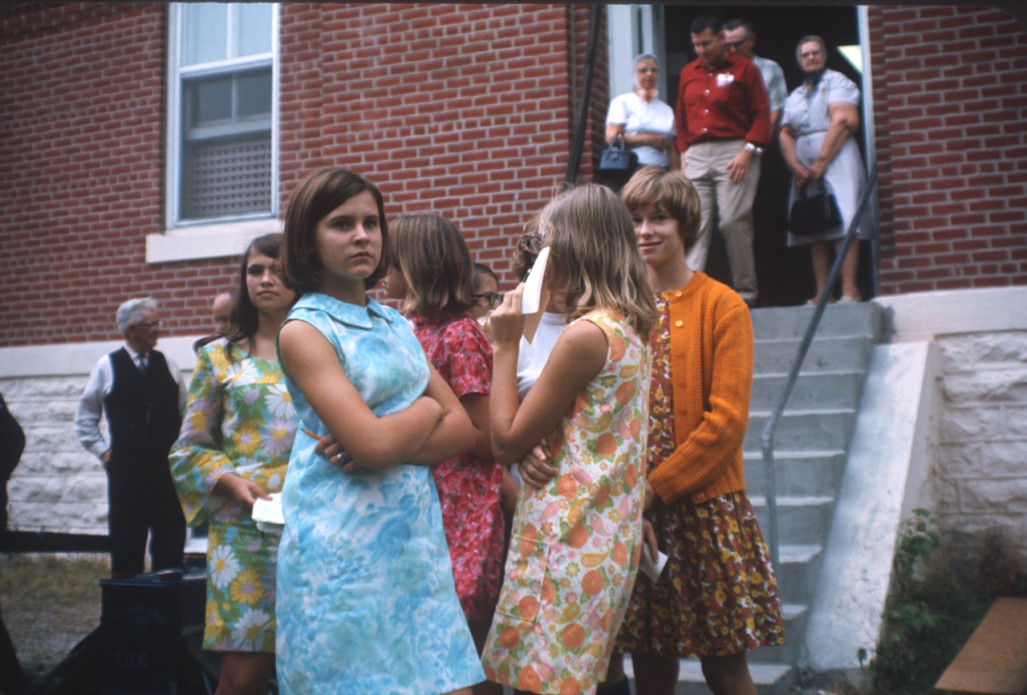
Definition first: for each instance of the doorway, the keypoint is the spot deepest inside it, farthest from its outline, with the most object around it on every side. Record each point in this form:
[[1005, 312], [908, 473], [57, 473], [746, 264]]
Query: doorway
[[785, 275]]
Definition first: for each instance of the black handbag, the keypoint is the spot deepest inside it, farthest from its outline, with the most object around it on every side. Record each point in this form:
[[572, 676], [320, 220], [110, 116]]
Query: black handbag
[[813, 211], [617, 161]]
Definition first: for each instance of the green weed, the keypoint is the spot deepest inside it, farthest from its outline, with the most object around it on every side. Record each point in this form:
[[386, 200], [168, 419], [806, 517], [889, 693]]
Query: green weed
[[930, 613]]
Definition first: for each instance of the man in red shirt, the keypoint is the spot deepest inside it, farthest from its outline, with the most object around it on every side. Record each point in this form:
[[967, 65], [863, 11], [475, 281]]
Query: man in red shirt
[[722, 118]]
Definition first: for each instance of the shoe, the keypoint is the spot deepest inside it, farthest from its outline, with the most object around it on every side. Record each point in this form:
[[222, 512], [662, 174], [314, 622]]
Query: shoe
[[845, 299]]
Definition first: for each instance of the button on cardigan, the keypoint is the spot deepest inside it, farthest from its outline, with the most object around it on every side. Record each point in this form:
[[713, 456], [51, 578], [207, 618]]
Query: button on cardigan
[[711, 347]]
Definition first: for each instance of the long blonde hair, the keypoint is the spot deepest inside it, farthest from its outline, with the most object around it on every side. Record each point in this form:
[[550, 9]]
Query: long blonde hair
[[593, 257]]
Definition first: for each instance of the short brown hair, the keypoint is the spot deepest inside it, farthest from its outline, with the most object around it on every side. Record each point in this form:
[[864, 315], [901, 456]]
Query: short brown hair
[[670, 190], [435, 263], [310, 203], [529, 243]]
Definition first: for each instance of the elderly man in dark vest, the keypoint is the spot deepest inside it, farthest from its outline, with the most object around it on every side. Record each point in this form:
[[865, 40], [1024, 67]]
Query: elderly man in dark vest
[[143, 395]]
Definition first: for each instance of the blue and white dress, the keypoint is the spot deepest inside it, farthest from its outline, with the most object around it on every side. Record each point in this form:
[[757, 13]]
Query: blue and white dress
[[807, 112], [366, 601]]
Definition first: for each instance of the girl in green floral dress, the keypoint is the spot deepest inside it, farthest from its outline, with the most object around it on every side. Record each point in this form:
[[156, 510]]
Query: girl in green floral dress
[[234, 447]]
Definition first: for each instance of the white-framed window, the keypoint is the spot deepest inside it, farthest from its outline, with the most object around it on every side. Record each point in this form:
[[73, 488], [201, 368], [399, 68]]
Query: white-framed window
[[222, 105]]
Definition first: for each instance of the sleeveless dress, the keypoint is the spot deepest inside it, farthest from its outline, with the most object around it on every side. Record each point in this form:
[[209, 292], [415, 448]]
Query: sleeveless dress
[[575, 544], [239, 419], [366, 601]]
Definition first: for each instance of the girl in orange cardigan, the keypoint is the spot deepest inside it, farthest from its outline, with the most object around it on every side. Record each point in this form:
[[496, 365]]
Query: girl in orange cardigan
[[717, 597]]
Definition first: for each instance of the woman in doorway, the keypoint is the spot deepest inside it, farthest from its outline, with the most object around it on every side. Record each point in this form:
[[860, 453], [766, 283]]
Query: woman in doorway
[[820, 118]]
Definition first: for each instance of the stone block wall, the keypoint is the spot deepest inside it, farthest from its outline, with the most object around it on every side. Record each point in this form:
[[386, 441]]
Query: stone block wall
[[57, 486], [981, 464]]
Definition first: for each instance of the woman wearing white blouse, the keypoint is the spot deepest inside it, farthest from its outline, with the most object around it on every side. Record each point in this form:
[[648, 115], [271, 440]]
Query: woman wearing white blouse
[[646, 122]]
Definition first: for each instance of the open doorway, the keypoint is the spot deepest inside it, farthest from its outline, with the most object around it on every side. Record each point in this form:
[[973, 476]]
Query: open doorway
[[785, 275]]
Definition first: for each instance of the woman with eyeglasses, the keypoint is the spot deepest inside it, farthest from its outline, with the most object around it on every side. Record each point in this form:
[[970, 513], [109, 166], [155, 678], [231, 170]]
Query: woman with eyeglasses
[[820, 118], [432, 274], [486, 292], [646, 122]]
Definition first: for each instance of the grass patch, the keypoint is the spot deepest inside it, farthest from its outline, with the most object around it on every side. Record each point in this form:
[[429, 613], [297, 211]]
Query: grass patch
[[42, 579], [49, 603]]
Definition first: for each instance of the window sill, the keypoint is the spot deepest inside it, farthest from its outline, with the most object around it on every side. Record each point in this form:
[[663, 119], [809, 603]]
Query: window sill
[[223, 240]]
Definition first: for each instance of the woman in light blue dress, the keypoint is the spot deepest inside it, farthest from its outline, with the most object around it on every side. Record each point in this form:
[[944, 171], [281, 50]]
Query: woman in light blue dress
[[366, 599], [821, 117]]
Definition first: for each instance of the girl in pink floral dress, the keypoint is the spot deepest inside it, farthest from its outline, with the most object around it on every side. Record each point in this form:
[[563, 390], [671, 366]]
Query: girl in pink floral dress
[[432, 273], [576, 539]]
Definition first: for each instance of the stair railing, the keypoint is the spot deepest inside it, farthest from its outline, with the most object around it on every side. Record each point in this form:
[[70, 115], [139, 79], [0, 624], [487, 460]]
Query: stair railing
[[767, 438]]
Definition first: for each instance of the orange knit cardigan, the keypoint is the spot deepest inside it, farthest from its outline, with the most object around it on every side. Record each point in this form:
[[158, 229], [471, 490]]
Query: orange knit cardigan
[[711, 366]]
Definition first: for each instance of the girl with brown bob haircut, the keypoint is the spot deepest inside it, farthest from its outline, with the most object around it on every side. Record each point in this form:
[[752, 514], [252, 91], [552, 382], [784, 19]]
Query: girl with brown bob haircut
[[366, 601], [670, 190], [316, 197]]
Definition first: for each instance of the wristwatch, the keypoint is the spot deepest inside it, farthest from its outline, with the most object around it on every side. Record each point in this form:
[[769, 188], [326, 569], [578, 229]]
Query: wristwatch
[[755, 149]]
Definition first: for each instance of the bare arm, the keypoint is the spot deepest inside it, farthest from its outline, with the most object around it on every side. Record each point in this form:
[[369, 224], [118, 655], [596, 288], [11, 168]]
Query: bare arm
[[654, 140], [844, 122], [454, 434], [372, 442], [577, 358], [476, 405], [786, 138], [673, 156]]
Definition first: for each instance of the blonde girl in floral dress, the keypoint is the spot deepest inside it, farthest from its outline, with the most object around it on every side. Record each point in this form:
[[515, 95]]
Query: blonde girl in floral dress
[[234, 447], [575, 545]]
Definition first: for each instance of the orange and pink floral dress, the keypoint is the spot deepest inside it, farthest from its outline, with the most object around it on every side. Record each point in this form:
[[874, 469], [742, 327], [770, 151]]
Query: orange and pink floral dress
[[576, 543]]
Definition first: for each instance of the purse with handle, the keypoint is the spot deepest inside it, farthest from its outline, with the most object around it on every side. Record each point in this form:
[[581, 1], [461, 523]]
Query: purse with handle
[[617, 161], [814, 210]]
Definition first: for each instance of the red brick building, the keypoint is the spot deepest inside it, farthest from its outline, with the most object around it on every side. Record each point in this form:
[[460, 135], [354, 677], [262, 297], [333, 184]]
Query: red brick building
[[143, 144], [468, 110]]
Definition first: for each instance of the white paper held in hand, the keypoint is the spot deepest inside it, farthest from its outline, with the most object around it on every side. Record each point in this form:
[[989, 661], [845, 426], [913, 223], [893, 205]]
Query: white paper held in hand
[[651, 567], [534, 297], [268, 513]]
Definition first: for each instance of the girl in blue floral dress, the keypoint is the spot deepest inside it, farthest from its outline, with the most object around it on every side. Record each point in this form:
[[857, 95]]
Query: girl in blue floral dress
[[366, 599], [234, 447]]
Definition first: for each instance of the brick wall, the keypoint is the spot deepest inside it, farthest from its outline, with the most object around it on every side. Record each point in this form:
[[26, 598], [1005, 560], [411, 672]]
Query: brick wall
[[81, 160], [464, 110], [467, 110], [457, 109], [950, 112]]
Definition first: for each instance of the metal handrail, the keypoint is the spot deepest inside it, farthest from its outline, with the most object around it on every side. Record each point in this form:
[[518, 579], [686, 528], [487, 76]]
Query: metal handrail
[[767, 438]]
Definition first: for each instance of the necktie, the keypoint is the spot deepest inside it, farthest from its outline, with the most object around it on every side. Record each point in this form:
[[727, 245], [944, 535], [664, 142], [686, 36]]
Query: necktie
[[142, 361]]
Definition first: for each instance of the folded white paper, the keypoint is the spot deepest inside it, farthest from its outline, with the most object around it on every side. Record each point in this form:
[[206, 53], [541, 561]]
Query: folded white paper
[[268, 513], [534, 296], [651, 567]]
